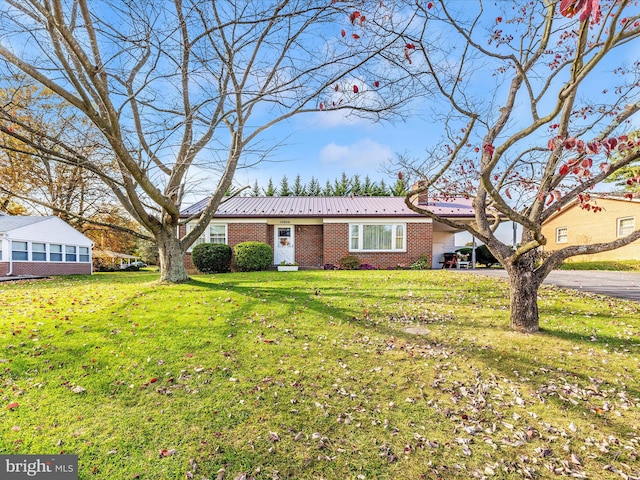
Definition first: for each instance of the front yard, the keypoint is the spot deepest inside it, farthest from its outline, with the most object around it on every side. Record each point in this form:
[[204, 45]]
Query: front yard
[[317, 375]]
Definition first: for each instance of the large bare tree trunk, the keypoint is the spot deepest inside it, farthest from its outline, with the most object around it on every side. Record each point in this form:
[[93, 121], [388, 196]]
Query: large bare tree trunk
[[170, 256], [523, 293]]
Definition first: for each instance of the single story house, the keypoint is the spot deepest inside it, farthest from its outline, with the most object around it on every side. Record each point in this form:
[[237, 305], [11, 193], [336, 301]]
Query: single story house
[[42, 246], [316, 231], [573, 225]]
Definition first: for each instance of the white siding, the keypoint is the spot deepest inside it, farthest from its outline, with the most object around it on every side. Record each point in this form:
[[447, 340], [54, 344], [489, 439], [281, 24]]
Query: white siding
[[442, 242], [51, 230]]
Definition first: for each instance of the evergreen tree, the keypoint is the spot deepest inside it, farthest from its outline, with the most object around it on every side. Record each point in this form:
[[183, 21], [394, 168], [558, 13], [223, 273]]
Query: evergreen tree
[[356, 185], [369, 187], [342, 186], [285, 191], [314, 189], [299, 189], [270, 191], [399, 189], [255, 191], [382, 190], [328, 189]]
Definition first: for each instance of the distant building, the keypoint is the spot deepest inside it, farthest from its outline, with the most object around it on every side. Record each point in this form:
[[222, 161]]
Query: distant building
[[573, 225], [42, 246]]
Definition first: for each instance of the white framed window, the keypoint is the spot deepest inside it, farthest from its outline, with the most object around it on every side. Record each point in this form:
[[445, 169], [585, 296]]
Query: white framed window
[[377, 237], [55, 253], [70, 254], [39, 252], [19, 251], [84, 254], [562, 234], [218, 233], [626, 226]]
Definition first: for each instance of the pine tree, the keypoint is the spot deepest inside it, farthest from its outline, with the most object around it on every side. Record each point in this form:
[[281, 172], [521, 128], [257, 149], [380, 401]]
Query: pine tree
[[314, 189], [356, 186], [328, 189], [342, 186], [285, 191], [255, 191], [369, 187], [270, 191], [299, 189], [399, 189]]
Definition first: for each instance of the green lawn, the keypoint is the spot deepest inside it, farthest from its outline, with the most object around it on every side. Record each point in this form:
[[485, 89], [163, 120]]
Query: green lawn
[[616, 265], [317, 375]]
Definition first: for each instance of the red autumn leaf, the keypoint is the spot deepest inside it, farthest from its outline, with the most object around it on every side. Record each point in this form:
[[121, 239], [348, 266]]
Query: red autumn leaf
[[376, 84], [586, 163], [343, 33], [355, 36], [507, 194], [337, 87], [355, 89], [550, 199], [400, 175], [564, 169], [362, 20], [488, 148], [153, 380], [605, 167], [498, 19], [406, 55], [551, 144], [353, 16], [166, 453], [410, 46], [321, 106], [429, 5], [593, 147], [477, 149], [13, 406], [569, 142], [629, 196], [11, 128]]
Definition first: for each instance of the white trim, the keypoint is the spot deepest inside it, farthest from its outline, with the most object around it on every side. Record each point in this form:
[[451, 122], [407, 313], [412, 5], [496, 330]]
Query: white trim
[[394, 226], [379, 220], [566, 235]]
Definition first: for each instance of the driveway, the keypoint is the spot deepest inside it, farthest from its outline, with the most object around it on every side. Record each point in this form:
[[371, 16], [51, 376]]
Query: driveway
[[615, 284]]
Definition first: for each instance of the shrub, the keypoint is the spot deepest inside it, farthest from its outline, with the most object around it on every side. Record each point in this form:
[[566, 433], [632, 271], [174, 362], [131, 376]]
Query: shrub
[[253, 256], [349, 262], [422, 263], [367, 266], [212, 257], [485, 257]]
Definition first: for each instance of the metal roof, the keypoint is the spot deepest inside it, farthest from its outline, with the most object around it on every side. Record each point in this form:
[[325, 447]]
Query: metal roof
[[264, 207], [9, 222]]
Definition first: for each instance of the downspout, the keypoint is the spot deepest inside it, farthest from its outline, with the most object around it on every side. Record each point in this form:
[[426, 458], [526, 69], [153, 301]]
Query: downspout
[[10, 253]]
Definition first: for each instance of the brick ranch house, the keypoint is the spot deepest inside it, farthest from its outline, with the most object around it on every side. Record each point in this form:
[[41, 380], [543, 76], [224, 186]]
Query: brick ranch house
[[315, 231], [42, 246]]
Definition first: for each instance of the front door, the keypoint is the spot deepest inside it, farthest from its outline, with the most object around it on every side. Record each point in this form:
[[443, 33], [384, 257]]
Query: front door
[[284, 250]]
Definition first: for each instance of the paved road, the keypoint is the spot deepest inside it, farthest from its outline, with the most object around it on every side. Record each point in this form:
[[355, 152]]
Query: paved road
[[615, 284]]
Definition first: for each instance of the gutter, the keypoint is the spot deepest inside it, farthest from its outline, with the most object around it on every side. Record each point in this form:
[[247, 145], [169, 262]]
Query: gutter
[[10, 272]]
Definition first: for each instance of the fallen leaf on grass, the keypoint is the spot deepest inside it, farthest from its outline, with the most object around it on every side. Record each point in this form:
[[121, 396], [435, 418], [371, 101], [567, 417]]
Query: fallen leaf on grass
[[166, 453], [13, 406]]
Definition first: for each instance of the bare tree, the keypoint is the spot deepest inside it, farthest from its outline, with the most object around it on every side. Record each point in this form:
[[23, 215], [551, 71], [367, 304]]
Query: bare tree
[[174, 85], [534, 99]]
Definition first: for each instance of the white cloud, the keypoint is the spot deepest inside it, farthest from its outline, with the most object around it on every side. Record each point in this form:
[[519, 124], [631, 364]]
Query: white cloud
[[364, 153]]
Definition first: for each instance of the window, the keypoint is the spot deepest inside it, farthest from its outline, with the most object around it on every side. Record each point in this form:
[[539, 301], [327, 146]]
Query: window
[[55, 253], [38, 252], [84, 254], [562, 235], [377, 237], [19, 251], [201, 239], [70, 254], [218, 233], [626, 226]]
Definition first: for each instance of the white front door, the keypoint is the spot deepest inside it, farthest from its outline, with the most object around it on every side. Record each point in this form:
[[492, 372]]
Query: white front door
[[284, 250]]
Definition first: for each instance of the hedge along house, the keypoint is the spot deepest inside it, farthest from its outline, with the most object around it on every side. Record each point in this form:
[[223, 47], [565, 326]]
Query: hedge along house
[[39, 246], [316, 231]]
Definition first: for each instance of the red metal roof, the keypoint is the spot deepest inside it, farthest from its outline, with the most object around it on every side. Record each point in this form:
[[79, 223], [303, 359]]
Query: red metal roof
[[263, 207]]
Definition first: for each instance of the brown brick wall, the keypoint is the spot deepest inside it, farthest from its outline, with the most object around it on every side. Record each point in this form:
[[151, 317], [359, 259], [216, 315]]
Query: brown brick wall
[[309, 251], [45, 268], [419, 241]]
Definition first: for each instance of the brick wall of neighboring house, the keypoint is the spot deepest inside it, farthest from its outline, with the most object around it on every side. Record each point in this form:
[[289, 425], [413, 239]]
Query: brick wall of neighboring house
[[45, 268], [309, 250], [336, 246]]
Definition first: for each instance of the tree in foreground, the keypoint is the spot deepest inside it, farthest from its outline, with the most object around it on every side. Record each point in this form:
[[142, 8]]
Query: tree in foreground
[[191, 83], [537, 101]]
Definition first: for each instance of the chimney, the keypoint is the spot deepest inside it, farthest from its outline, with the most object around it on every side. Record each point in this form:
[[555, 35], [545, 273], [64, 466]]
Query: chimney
[[423, 197]]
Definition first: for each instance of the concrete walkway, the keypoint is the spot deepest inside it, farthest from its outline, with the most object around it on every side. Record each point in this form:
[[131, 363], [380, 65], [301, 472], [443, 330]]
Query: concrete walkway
[[615, 284]]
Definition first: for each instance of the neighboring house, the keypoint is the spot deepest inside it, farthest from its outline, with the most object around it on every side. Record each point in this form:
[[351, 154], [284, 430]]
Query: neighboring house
[[315, 231], [573, 225], [42, 246]]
